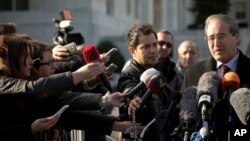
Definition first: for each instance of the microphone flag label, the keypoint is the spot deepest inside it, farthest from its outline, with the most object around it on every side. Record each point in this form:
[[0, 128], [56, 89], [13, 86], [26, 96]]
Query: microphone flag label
[[205, 98]]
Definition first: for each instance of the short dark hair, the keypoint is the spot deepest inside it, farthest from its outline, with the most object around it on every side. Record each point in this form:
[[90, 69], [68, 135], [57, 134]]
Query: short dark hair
[[136, 32], [7, 28], [39, 48], [167, 32]]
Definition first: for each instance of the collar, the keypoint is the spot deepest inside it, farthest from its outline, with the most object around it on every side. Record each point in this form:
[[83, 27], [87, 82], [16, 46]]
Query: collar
[[231, 64]]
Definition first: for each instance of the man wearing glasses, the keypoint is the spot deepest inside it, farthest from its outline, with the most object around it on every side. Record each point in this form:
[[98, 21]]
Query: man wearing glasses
[[165, 65], [223, 39]]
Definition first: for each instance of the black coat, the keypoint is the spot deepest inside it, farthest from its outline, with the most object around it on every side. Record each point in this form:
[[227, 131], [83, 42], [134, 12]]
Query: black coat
[[19, 109], [221, 111], [129, 78]]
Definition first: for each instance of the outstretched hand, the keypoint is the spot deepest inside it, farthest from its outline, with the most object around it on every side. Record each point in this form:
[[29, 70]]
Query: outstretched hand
[[43, 124], [114, 99]]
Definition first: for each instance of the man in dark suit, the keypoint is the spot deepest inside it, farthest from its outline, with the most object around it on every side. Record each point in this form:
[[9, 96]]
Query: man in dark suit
[[223, 39]]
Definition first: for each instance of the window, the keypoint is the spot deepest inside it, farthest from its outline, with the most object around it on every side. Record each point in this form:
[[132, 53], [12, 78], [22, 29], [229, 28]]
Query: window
[[136, 8], [110, 7], [240, 15], [128, 7], [240, 8], [14, 5]]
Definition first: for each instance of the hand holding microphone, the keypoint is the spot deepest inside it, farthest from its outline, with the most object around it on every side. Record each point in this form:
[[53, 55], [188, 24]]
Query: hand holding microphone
[[134, 104], [114, 99], [91, 54], [92, 83], [91, 70], [145, 77], [88, 71], [153, 86]]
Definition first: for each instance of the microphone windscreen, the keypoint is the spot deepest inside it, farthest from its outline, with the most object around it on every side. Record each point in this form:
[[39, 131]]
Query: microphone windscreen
[[208, 84], [154, 84], [189, 105], [90, 54], [231, 80], [147, 74], [240, 101], [145, 77]]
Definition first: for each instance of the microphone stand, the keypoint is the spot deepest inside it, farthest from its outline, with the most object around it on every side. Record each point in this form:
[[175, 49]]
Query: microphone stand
[[230, 121], [205, 126], [162, 115], [188, 127], [133, 133]]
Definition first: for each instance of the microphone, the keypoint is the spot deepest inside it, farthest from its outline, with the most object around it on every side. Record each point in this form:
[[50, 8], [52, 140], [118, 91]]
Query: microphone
[[175, 99], [163, 115], [90, 54], [240, 101], [153, 86], [207, 95], [207, 91], [230, 82], [189, 113], [145, 77]]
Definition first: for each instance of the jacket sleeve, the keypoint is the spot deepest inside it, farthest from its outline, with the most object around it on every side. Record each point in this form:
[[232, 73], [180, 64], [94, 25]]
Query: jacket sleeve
[[80, 100], [57, 82]]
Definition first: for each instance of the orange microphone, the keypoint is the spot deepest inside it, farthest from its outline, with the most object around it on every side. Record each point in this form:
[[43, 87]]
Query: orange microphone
[[231, 81]]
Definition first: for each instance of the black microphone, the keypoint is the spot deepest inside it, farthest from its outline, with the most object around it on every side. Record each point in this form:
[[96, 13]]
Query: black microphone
[[207, 96], [240, 101], [175, 99], [90, 54], [145, 77], [189, 111], [163, 115], [207, 91]]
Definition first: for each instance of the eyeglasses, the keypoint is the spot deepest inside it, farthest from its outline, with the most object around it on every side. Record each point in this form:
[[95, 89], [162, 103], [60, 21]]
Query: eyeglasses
[[50, 63], [38, 63], [220, 37], [162, 43]]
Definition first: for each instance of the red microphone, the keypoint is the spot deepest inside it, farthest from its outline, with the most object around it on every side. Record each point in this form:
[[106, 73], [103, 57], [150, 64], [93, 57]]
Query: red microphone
[[90, 54], [153, 86]]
